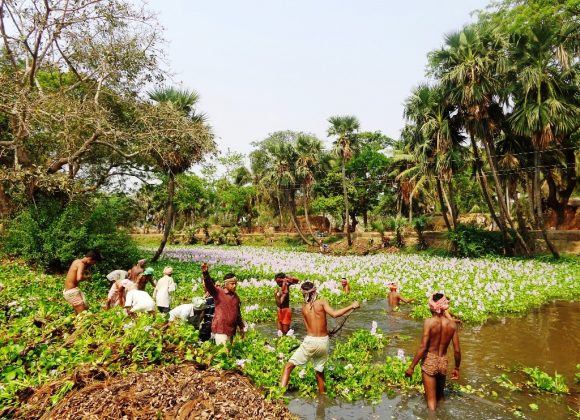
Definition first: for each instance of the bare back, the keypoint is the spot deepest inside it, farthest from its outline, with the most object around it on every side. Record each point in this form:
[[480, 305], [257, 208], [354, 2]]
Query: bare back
[[75, 274], [441, 332], [394, 299], [315, 318]]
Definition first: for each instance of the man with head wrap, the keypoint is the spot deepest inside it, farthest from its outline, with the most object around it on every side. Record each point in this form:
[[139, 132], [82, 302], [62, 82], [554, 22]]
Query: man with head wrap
[[315, 346], [137, 270], [438, 332], [227, 316]]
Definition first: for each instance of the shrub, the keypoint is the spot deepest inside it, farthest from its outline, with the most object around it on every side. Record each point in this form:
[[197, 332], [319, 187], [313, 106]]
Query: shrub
[[51, 235], [420, 224], [398, 224], [189, 235], [471, 241]]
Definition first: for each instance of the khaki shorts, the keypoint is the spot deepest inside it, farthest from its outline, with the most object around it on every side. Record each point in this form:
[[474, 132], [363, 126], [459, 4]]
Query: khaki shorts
[[313, 349], [74, 296], [221, 339]]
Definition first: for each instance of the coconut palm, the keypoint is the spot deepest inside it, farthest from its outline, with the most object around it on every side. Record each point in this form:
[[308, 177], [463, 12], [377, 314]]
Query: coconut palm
[[344, 128]]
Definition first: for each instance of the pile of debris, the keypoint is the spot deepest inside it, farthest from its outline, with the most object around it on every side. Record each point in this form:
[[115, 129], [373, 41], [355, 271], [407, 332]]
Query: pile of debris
[[177, 392]]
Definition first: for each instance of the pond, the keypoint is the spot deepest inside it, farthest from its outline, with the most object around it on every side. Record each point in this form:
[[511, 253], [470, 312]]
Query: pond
[[547, 338]]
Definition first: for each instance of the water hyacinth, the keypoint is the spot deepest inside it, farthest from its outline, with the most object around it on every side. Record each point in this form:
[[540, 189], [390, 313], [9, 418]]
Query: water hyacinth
[[477, 288]]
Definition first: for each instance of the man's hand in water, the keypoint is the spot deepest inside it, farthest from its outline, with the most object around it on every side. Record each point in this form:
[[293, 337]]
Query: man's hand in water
[[355, 305], [409, 371], [204, 268], [455, 374]]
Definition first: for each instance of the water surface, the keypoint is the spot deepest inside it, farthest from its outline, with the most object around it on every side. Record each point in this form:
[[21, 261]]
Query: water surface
[[548, 338]]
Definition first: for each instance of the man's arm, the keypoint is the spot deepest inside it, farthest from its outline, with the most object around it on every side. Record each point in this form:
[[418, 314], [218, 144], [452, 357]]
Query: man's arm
[[81, 271], [422, 348], [335, 313], [406, 300], [456, 355], [208, 281]]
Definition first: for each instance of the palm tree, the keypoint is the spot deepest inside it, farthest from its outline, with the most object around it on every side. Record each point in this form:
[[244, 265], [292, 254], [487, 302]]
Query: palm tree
[[436, 143], [344, 128], [309, 150], [182, 101], [543, 109], [469, 67]]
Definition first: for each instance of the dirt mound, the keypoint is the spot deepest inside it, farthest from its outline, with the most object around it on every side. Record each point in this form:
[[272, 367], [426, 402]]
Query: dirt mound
[[176, 392]]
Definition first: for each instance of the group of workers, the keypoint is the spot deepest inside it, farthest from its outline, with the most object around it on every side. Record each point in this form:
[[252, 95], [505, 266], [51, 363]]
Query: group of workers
[[218, 316]]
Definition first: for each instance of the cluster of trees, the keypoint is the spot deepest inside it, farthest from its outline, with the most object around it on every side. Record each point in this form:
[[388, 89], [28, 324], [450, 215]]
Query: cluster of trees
[[503, 101], [75, 116], [495, 128]]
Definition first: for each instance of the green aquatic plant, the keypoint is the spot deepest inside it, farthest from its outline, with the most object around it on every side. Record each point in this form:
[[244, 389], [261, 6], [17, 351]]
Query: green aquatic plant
[[544, 382]]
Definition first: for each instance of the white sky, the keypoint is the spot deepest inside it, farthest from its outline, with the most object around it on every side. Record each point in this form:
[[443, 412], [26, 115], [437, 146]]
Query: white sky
[[263, 66]]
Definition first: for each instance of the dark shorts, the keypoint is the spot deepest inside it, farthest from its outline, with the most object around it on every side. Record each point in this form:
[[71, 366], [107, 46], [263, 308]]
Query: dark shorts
[[163, 309]]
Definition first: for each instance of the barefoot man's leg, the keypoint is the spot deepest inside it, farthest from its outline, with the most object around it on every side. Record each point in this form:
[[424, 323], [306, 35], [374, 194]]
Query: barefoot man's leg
[[430, 384]]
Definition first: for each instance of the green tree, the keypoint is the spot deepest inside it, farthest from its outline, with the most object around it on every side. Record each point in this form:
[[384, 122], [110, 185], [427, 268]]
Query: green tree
[[172, 160], [344, 128]]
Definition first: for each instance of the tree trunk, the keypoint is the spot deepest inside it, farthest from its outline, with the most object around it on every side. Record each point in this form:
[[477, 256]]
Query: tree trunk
[[492, 160], [442, 203], [520, 216], [411, 206], [453, 204], [485, 191], [292, 205], [319, 242], [169, 214], [346, 213], [279, 209], [539, 211]]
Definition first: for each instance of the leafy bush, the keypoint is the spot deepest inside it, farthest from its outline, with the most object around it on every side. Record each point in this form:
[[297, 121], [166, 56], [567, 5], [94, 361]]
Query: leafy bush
[[420, 224], [471, 241], [51, 235], [189, 235], [398, 224]]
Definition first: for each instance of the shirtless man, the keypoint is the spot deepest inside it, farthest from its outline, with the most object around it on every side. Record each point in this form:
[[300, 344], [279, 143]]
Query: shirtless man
[[76, 273], [395, 298], [282, 297], [137, 270], [438, 332], [316, 344], [345, 286], [144, 278]]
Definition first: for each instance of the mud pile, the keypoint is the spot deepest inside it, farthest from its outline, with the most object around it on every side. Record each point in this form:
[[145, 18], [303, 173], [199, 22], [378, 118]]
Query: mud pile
[[177, 392]]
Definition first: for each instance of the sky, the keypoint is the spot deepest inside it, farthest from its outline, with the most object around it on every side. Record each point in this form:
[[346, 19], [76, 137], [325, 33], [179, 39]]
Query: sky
[[263, 66]]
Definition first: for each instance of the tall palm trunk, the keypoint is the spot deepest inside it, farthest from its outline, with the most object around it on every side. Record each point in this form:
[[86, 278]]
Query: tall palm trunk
[[539, 212], [346, 214], [485, 191], [308, 217], [442, 203], [169, 215], [292, 205], [492, 160], [453, 204]]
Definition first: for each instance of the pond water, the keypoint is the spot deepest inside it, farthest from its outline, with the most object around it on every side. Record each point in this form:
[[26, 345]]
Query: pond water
[[548, 338]]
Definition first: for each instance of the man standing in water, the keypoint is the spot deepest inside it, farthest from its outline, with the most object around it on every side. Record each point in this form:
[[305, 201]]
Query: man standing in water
[[438, 332], [77, 273], [316, 344], [282, 297], [394, 298]]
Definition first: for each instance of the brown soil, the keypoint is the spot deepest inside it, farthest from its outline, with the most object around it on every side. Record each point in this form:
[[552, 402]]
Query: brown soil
[[176, 392]]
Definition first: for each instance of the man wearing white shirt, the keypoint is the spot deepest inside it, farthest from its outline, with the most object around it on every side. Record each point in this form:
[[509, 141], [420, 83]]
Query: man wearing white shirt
[[139, 301], [163, 290]]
